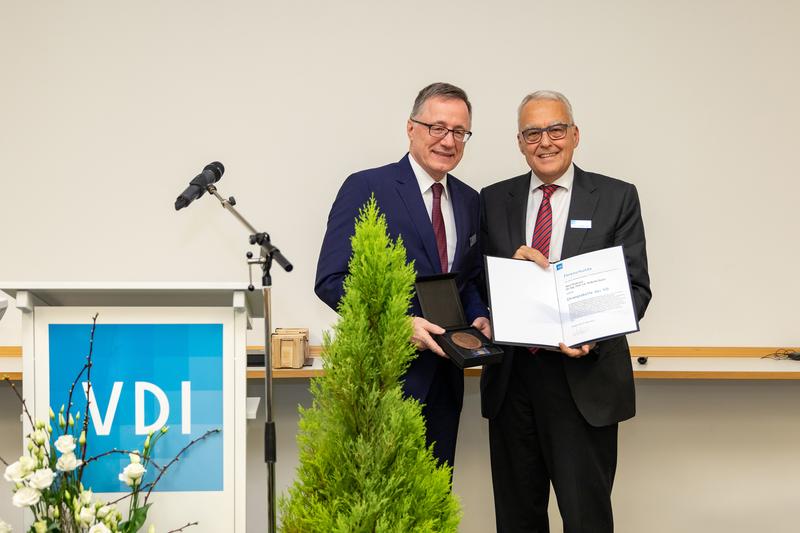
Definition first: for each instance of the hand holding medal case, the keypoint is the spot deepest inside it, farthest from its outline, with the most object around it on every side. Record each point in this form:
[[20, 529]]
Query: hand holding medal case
[[441, 304]]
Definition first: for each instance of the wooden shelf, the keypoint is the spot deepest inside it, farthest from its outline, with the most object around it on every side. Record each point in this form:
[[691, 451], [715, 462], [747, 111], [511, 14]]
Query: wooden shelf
[[663, 362]]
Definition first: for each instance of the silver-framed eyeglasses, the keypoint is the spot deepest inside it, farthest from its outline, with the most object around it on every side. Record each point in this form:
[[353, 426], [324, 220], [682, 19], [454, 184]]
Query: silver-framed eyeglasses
[[440, 132], [555, 132]]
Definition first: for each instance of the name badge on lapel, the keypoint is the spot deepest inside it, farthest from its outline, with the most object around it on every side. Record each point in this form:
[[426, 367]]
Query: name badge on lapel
[[580, 224]]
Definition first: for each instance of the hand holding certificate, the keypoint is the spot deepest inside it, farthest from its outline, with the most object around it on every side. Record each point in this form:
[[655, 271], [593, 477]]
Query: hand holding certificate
[[578, 300]]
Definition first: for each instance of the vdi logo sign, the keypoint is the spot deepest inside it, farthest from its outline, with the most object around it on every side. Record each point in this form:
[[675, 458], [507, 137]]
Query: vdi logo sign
[[145, 376]]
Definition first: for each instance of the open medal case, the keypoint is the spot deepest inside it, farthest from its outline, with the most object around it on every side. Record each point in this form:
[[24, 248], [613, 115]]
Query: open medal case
[[441, 304]]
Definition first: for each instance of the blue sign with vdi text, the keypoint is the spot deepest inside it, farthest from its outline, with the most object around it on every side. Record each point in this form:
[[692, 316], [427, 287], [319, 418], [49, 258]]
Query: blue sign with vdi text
[[145, 376]]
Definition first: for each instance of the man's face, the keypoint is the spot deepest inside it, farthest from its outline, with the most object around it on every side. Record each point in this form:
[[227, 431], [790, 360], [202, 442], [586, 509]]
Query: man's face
[[438, 156], [547, 158]]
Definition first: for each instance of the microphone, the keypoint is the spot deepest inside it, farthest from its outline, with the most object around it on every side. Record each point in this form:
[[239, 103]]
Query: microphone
[[197, 187]]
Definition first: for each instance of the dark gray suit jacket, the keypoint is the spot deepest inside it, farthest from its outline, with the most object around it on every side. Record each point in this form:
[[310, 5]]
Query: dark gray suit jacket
[[601, 383]]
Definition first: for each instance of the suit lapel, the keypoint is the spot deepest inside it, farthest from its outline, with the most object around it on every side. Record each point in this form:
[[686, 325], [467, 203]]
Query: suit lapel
[[461, 218], [581, 207], [408, 191], [516, 207]]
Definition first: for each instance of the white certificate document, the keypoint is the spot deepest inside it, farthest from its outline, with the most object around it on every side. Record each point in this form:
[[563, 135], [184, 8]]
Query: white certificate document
[[578, 300]]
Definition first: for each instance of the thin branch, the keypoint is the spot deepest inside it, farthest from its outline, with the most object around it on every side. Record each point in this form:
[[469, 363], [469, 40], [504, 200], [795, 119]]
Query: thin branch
[[21, 400], [122, 452], [190, 524], [121, 498], [69, 398], [88, 391], [177, 456], [3, 461]]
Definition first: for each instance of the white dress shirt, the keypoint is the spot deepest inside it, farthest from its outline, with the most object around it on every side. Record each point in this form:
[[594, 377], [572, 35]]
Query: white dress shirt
[[559, 203], [425, 183]]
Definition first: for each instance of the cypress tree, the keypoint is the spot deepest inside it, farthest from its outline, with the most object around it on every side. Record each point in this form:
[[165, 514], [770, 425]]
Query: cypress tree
[[364, 466]]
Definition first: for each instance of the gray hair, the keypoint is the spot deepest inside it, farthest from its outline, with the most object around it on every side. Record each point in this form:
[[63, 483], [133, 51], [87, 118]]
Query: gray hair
[[547, 95], [441, 90]]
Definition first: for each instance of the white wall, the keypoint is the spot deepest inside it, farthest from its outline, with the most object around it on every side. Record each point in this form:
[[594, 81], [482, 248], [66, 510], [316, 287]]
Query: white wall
[[107, 109], [700, 457]]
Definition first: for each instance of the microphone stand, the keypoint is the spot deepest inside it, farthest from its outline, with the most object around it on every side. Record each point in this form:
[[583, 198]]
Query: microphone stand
[[268, 254]]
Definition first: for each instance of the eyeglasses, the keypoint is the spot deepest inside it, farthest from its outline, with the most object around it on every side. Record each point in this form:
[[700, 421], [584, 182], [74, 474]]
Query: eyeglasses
[[440, 132], [555, 132]]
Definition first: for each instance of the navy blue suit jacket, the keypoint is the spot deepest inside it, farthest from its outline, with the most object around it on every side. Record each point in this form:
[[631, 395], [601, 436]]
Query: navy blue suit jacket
[[397, 192]]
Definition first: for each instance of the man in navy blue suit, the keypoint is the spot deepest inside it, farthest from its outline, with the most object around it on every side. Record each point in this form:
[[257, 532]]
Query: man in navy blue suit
[[437, 216]]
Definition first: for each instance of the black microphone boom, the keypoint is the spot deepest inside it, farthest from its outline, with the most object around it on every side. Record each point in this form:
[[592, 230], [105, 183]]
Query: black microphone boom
[[197, 187]]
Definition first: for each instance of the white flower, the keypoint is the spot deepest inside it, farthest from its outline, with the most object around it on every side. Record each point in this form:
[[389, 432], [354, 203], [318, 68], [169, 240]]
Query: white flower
[[86, 515], [4, 528], [21, 470], [26, 497], [39, 437], [41, 479], [65, 443], [151, 529], [135, 457], [103, 511], [132, 474], [68, 462], [28, 463], [14, 473], [86, 497], [99, 528], [40, 526]]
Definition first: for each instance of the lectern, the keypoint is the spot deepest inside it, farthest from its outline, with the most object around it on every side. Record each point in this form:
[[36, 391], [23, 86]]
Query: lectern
[[165, 354]]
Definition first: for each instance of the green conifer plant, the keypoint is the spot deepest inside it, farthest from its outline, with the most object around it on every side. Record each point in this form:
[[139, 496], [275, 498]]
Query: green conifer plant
[[364, 466]]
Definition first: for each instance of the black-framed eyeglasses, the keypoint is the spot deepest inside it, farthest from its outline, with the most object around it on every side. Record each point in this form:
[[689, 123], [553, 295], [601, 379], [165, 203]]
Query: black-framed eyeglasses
[[440, 132], [555, 132]]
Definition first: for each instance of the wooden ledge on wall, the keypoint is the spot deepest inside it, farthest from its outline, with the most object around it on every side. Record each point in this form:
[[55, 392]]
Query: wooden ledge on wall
[[662, 362], [669, 362]]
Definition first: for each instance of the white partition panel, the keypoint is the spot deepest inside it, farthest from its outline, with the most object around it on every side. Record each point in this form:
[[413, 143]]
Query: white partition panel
[[164, 356]]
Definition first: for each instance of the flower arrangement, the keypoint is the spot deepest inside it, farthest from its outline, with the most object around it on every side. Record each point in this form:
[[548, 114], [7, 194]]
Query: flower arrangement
[[47, 478]]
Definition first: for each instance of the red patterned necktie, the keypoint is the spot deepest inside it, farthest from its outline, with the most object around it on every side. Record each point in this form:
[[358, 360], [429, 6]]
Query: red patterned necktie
[[544, 227], [544, 222], [438, 224]]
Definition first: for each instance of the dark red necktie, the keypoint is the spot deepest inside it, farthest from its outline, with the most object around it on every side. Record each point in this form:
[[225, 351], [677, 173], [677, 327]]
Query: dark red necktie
[[544, 227], [438, 224], [544, 222]]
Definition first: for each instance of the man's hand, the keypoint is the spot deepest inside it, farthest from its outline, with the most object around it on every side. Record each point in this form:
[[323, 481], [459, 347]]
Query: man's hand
[[483, 325], [531, 254], [422, 336], [576, 352]]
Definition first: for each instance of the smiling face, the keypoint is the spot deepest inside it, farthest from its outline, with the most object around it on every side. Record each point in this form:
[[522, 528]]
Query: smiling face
[[438, 156], [548, 159]]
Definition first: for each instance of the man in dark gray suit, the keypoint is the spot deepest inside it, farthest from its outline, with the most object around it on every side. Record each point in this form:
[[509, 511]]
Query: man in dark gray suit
[[553, 415]]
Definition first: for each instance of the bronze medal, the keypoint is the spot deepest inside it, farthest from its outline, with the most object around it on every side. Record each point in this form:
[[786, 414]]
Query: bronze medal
[[466, 340]]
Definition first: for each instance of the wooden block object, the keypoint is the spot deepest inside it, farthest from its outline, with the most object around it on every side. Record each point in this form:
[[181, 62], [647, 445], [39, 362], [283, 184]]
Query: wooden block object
[[289, 347]]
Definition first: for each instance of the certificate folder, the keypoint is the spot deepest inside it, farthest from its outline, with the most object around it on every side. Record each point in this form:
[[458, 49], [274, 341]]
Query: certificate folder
[[579, 300], [441, 304]]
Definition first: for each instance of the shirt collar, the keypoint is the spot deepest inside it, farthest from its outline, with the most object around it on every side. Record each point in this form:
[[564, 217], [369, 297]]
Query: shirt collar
[[564, 181], [424, 180]]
